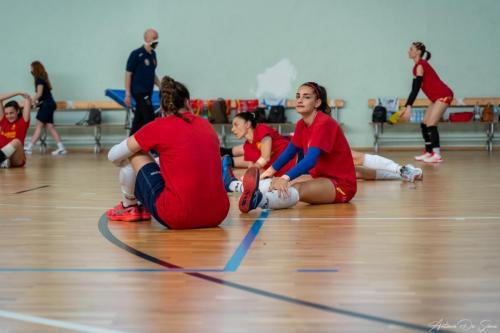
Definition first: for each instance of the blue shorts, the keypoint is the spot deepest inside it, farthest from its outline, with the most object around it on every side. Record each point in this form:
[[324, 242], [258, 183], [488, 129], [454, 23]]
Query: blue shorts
[[149, 184]]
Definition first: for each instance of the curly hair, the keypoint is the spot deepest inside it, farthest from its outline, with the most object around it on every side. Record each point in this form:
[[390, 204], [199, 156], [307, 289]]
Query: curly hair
[[173, 96]]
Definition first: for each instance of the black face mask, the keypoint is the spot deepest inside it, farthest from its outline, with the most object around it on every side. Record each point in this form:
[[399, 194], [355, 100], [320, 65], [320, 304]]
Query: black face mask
[[154, 45], [32, 73]]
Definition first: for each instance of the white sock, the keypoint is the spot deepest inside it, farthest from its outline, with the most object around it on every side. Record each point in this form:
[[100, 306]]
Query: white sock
[[436, 151], [28, 146], [60, 146], [273, 200], [8, 150], [386, 175], [377, 162], [237, 186], [127, 182]]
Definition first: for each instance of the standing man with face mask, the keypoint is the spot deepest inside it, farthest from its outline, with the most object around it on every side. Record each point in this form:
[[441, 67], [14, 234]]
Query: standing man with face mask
[[140, 79]]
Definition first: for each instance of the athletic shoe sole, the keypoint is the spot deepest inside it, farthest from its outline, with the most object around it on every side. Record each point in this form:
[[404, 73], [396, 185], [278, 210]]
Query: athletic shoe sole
[[250, 185], [125, 218]]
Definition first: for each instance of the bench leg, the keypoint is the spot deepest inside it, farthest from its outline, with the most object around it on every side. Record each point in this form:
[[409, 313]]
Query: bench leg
[[43, 141], [97, 137], [490, 134], [378, 130]]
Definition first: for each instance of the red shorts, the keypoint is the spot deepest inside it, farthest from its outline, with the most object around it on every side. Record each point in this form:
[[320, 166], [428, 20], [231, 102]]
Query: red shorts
[[447, 99], [343, 193]]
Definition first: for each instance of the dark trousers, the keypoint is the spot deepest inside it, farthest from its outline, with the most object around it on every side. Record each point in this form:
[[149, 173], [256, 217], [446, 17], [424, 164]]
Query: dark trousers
[[144, 111]]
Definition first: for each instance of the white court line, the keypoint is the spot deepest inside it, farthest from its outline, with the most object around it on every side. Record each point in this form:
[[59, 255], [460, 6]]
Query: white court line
[[456, 218], [56, 207], [55, 323]]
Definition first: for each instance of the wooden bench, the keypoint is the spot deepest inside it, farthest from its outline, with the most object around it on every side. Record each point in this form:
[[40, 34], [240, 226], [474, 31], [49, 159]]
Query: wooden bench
[[72, 106], [222, 129], [378, 128]]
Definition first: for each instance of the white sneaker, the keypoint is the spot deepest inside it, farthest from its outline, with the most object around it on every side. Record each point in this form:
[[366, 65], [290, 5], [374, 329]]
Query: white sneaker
[[410, 173], [59, 151], [28, 150], [5, 164], [423, 156], [434, 158]]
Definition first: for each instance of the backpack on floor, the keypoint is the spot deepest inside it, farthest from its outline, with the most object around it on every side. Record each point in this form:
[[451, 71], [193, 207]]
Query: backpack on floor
[[379, 114], [276, 114], [92, 118]]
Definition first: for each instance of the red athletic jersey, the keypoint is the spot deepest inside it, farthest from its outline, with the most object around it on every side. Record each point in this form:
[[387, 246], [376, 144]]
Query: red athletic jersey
[[432, 86], [10, 131], [335, 160], [252, 149], [194, 194]]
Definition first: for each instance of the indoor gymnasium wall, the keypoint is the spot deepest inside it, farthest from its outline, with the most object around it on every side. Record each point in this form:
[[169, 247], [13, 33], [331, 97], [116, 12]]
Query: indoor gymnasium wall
[[357, 49]]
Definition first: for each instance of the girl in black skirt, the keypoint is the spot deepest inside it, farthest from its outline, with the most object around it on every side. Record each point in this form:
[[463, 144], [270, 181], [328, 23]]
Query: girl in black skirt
[[46, 107]]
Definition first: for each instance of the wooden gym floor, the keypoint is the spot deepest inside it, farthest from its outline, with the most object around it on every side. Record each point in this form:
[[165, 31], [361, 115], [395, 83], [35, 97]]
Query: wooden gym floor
[[401, 257]]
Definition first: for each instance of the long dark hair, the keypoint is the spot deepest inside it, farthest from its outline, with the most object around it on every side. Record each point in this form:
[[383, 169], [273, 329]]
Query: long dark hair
[[320, 93], [39, 72], [423, 51], [173, 97], [248, 116]]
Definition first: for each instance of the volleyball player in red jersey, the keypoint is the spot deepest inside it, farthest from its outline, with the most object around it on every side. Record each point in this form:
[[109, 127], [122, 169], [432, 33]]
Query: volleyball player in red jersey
[[185, 190], [14, 124], [326, 174], [262, 147], [437, 91]]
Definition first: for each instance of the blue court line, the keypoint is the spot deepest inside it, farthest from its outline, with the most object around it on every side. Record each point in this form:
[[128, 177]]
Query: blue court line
[[240, 253], [109, 270], [231, 266], [317, 270], [106, 232]]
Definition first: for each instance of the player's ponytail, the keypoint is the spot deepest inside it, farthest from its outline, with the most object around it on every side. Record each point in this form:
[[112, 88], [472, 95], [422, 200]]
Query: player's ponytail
[[173, 97], [423, 51], [248, 116]]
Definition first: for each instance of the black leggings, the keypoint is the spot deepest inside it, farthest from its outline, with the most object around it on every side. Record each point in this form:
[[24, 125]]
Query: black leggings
[[144, 112]]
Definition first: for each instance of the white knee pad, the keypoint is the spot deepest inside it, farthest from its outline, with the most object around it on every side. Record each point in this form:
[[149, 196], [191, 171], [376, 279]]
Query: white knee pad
[[127, 181], [8, 150]]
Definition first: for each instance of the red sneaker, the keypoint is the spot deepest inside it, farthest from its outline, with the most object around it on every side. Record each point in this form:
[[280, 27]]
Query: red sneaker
[[120, 213], [251, 196], [145, 214]]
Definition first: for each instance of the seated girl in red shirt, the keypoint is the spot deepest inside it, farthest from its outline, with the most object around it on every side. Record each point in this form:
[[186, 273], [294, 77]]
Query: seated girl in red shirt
[[326, 174], [262, 147], [14, 123], [185, 190]]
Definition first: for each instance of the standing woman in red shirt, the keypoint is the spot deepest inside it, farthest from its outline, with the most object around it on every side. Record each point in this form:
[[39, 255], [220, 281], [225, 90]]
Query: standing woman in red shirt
[[263, 145], [185, 190], [325, 175], [441, 96]]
